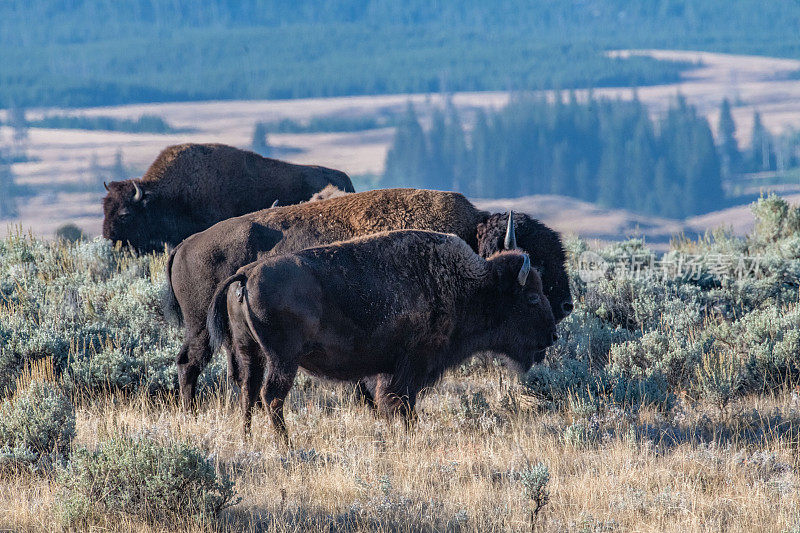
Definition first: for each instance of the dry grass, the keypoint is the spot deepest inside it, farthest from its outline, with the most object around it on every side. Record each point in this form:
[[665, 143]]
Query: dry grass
[[456, 469]]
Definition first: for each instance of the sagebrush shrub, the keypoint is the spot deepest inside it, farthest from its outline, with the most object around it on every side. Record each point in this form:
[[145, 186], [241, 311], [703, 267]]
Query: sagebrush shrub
[[775, 219], [70, 232], [720, 377], [37, 425], [534, 480], [93, 308], [171, 482]]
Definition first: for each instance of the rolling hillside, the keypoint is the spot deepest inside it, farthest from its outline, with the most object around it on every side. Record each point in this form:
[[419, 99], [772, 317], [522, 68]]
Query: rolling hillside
[[67, 189]]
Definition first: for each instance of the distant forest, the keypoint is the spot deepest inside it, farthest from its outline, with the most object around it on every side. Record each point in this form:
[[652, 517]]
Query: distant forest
[[99, 52], [610, 152]]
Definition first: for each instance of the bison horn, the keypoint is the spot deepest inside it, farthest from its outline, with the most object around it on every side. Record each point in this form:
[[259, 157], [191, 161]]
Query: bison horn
[[522, 277], [105, 185], [137, 196], [511, 234], [275, 203]]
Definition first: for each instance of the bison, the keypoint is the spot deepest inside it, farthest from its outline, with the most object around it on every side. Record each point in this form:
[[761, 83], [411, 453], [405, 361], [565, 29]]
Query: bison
[[201, 262], [405, 305], [190, 187]]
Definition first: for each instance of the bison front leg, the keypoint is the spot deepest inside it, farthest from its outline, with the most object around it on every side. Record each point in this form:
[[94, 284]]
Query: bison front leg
[[276, 387], [396, 395], [365, 391]]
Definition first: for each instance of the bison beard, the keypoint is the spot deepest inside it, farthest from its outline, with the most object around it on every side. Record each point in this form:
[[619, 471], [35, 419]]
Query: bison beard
[[405, 305], [190, 187], [203, 260]]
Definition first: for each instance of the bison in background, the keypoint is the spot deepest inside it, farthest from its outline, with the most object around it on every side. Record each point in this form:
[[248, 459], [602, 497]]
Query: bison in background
[[405, 305], [201, 262], [190, 187]]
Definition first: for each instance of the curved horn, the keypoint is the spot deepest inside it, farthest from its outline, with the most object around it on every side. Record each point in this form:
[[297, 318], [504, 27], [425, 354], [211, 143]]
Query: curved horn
[[511, 235], [522, 277], [275, 203], [137, 196], [105, 185]]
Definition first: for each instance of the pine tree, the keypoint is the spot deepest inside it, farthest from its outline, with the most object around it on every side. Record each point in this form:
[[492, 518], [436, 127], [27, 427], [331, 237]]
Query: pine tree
[[609, 172], [703, 187], [583, 182], [96, 172], [666, 196], [455, 148], [19, 126], [730, 157], [760, 146], [560, 176], [118, 170], [407, 159], [640, 160], [19, 123], [482, 158], [438, 171], [8, 203], [260, 142]]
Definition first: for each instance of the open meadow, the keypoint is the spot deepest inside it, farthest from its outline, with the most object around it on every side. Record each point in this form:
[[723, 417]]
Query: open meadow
[[669, 403], [67, 167]]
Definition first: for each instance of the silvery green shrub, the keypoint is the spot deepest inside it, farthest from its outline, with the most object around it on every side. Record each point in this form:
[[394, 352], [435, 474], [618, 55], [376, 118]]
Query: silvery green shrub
[[37, 425], [534, 480], [93, 308], [171, 482], [775, 219], [640, 338]]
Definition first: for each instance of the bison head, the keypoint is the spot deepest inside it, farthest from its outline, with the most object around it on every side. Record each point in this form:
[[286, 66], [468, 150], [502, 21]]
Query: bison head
[[525, 325], [543, 246], [126, 217]]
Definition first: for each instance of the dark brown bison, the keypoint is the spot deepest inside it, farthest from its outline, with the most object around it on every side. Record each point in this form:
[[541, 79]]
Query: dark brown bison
[[202, 261], [405, 305], [190, 187]]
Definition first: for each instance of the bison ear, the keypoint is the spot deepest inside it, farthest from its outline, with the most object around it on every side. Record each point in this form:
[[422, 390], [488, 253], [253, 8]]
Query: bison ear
[[512, 272]]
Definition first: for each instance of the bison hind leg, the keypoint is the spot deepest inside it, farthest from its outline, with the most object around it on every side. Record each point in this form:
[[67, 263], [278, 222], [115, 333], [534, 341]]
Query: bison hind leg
[[276, 387], [252, 376], [194, 356]]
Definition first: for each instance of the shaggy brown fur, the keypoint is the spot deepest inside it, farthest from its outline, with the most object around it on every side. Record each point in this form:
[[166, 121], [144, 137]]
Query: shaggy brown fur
[[190, 187], [405, 305], [203, 260]]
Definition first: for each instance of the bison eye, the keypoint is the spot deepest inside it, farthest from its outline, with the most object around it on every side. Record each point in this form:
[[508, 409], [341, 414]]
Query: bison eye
[[534, 299]]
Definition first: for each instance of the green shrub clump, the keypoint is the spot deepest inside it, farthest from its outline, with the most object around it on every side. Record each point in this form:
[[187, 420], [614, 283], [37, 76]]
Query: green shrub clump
[[139, 477], [91, 307], [37, 425], [730, 328]]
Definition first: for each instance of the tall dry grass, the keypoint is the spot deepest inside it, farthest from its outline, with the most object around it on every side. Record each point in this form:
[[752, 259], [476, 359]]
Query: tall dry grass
[[698, 469]]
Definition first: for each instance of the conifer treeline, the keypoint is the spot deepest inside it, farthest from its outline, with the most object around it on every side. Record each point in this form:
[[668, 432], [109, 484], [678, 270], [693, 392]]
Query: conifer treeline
[[598, 150]]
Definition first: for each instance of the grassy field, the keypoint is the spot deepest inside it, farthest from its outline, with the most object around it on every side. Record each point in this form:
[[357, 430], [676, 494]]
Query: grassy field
[[461, 467], [669, 403]]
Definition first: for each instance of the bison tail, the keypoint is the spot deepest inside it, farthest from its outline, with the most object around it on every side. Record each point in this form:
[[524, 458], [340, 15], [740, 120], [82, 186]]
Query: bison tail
[[169, 304], [217, 319]]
